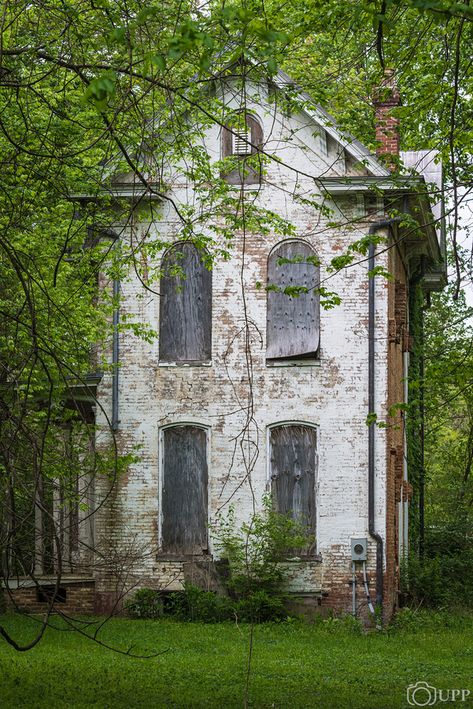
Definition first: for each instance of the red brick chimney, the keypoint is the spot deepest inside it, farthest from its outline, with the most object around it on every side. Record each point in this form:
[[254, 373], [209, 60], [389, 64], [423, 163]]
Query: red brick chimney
[[386, 97]]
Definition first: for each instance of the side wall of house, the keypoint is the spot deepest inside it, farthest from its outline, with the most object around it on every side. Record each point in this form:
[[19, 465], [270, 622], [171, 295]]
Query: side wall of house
[[397, 345], [239, 396]]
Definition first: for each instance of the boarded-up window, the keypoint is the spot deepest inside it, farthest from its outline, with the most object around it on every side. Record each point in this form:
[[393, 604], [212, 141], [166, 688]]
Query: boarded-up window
[[293, 317], [184, 491], [185, 322], [242, 139], [293, 456]]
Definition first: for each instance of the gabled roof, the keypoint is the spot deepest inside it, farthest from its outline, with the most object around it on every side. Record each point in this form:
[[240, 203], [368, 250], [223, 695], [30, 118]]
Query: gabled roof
[[325, 121]]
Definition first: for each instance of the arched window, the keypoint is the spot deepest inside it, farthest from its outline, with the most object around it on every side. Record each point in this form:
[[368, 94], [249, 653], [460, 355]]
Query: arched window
[[185, 312], [293, 464], [293, 302], [184, 490], [242, 138]]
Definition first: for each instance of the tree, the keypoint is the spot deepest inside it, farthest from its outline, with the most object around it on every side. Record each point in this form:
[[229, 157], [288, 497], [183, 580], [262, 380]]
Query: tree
[[449, 410], [91, 89]]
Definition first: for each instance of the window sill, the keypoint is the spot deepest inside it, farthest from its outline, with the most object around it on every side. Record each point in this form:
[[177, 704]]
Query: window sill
[[293, 363], [250, 187], [163, 556], [302, 558], [185, 364], [237, 184]]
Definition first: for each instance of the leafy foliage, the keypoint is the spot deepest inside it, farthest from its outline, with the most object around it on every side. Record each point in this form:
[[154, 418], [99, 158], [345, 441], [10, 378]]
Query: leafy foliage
[[439, 581], [255, 575], [145, 603], [439, 571], [196, 605], [251, 570], [92, 90], [449, 413]]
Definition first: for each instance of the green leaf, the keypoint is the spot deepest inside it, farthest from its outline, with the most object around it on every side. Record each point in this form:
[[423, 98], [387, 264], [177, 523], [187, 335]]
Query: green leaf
[[272, 65], [158, 60]]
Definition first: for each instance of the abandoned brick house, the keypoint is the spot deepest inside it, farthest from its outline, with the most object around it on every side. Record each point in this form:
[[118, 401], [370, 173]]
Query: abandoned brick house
[[249, 390]]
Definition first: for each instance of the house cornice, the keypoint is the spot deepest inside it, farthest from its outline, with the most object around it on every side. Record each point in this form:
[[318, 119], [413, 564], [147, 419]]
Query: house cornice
[[418, 204], [369, 183], [135, 192]]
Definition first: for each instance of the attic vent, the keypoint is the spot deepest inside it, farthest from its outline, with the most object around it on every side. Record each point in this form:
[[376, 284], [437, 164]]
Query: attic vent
[[242, 137], [241, 141]]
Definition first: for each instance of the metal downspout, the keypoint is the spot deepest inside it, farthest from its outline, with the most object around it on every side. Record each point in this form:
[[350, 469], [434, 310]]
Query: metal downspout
[[371, 408], [115, 354]]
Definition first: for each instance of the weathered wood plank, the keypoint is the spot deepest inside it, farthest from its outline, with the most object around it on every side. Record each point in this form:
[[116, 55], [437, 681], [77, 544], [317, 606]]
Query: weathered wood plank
[[293, 323], [293, 451], [185, 490], [185, 331]]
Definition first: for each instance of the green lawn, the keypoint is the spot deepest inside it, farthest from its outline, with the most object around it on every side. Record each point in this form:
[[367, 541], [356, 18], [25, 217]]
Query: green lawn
[[294, 665]]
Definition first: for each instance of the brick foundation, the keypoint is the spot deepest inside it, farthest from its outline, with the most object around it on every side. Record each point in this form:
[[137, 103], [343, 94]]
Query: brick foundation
[[75, 597]]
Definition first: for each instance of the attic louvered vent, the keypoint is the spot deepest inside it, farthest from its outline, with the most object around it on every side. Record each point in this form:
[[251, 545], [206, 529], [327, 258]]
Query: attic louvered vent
[[242, 138], [241, 141]]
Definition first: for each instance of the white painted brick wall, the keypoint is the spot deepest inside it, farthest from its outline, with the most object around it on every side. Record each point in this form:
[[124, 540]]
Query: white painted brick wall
[[331, 394]]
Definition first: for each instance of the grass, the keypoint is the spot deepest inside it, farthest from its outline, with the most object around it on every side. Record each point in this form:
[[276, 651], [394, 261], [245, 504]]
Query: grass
[[331, 664]]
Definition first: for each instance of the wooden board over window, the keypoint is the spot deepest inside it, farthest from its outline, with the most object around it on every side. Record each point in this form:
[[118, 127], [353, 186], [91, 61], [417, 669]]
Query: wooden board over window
[[293, 322], [185, 320], [293, 459], [184, 496]]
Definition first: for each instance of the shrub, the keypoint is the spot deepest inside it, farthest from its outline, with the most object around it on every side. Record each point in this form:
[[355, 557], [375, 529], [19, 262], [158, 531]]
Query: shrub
[[250, 570], [255, 577], [343, 624], [195, 604], [260, 607], [444, 576], [145, 603], [414, 620]]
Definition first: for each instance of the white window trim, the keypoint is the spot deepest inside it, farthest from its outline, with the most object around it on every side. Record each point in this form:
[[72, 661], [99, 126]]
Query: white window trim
[[205, 427], [309, 362]]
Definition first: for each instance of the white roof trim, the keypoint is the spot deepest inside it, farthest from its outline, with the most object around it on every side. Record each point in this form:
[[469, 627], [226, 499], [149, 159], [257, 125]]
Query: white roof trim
[[353, 146], [127, 191], [366, 183]]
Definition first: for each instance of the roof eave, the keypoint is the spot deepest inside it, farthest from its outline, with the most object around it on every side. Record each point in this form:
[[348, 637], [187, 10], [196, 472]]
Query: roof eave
[[366, 183], [134, 192]]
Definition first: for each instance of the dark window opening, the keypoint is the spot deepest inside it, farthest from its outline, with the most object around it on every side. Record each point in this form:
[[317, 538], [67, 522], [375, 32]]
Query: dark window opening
[[185, 491], [44, 594], [242, 140], [185, 313], [293, 302]]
